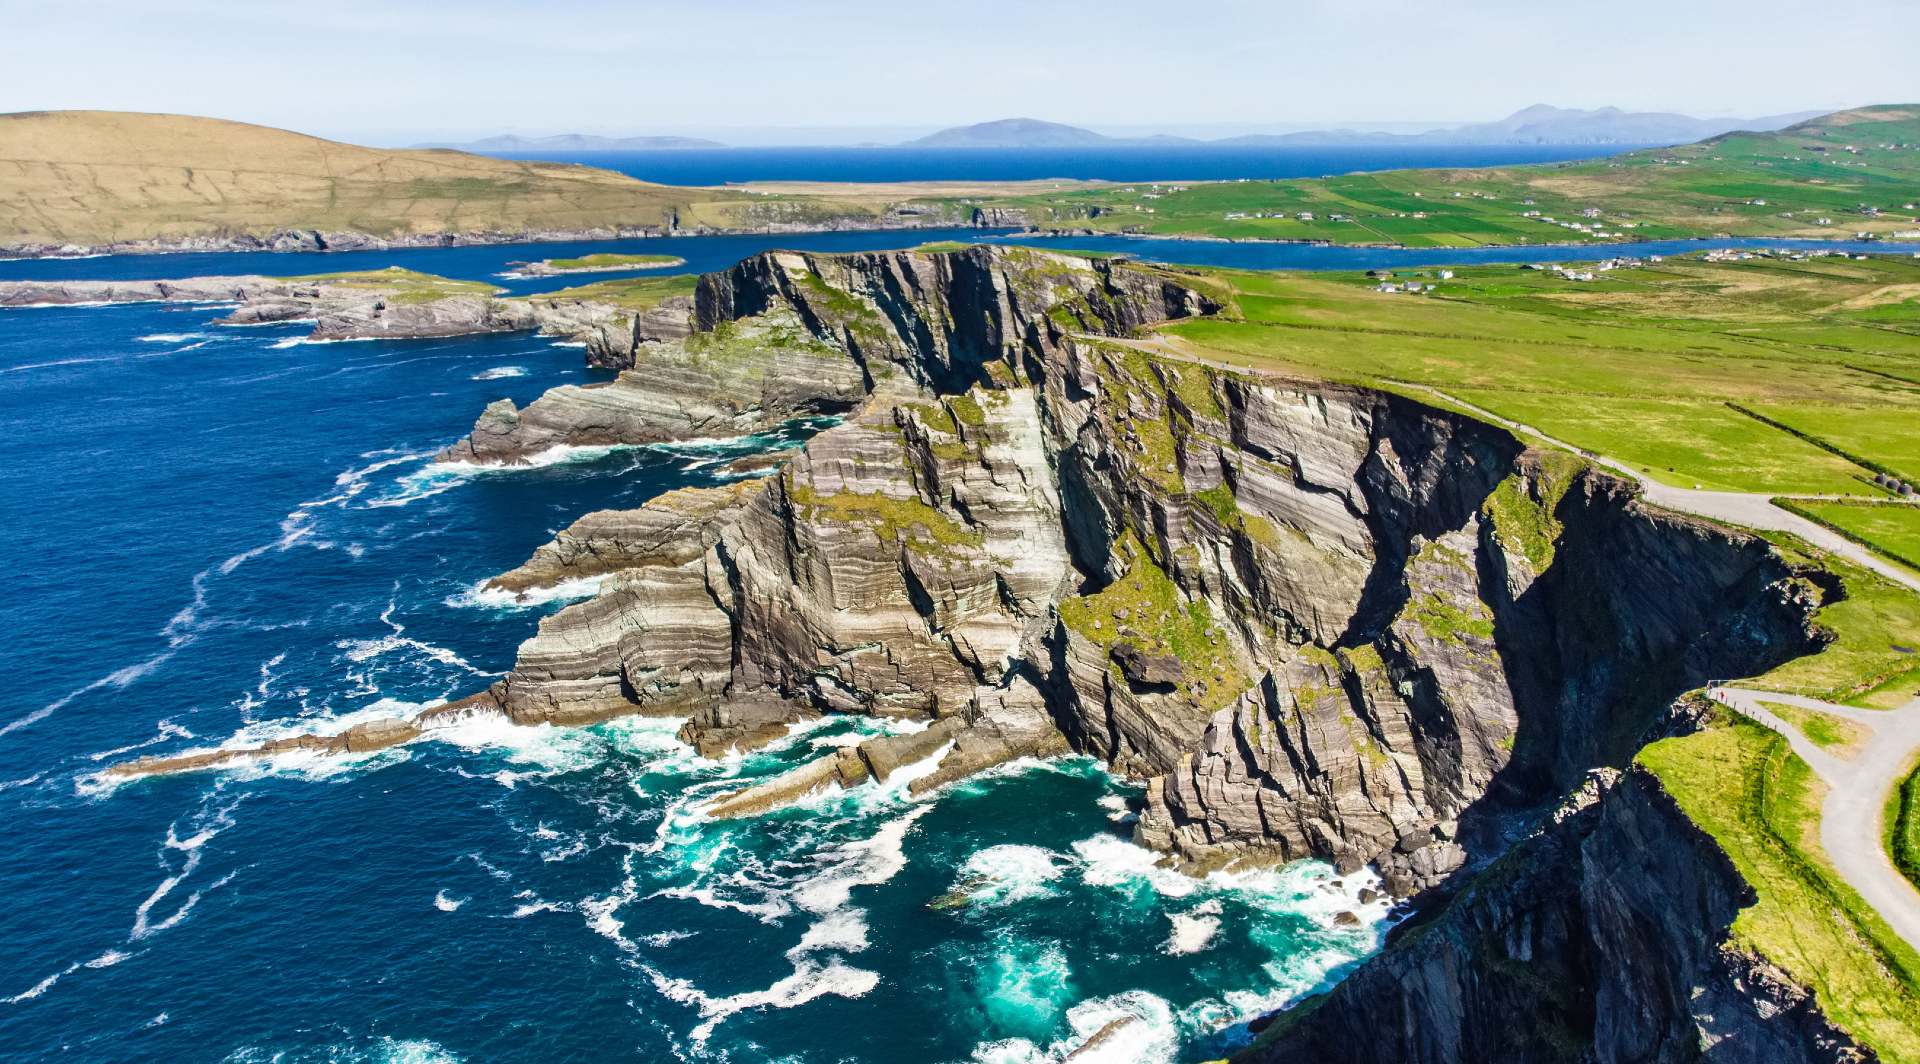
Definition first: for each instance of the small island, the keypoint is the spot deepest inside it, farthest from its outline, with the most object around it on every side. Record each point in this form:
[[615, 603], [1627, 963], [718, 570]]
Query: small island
[[604, 262]]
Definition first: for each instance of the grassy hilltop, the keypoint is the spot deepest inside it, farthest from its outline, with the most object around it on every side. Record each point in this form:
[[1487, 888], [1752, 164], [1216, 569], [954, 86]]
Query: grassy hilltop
[[99, 177], [1809, 180]]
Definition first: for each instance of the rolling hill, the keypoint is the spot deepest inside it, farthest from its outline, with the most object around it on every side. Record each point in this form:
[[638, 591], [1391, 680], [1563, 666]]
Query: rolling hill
[[97, 178]]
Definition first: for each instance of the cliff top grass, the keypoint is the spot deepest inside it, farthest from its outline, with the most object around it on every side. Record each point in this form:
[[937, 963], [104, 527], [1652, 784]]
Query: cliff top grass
[[401, 285], [1810, 180], [637, 294], [1838, 734], [1874, 659], [1749, 375], [1902, 820], [1891, 528], [612, 261], [1742, 784]]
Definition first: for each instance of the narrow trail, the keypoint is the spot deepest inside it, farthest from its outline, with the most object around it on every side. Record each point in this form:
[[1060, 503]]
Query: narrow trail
[[1852, 819]]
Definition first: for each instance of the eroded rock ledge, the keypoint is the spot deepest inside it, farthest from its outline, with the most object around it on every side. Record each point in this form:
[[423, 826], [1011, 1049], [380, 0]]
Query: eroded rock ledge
[[382, 305], [1318, 621]]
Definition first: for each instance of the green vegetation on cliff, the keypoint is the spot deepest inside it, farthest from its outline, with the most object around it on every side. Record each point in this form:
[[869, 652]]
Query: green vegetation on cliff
[[611, 261], [1875, 625], [629, 293], [401, 285], [1147, 608], [1742, 784], [1903, 826]]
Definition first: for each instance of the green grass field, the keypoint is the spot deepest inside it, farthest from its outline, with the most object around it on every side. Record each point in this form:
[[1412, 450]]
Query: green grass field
[[1827, 731], [1811, 180], [611, 261], [1902, 818], [402, 285], [1742, 784], [1664, 366], [1893, 529], [630, 293]]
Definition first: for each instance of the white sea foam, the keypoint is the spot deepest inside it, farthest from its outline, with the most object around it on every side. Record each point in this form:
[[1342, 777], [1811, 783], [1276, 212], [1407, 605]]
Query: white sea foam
[[1116, 807], [1110, 861], [810, 980], [1151, 1035], [54, 363], [665, 938], [500, 373], [1193, 930], [282, 345], [493, 598], [447, 904], [844, 930], [569, 343], [862, 863], [171, 338], [105, 960], [1002, 875]]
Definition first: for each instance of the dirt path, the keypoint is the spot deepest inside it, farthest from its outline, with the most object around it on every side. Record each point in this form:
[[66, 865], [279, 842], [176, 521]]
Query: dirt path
[[1852, 819]]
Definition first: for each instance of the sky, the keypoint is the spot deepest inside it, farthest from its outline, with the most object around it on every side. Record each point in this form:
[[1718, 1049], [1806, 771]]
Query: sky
[[748, 71]]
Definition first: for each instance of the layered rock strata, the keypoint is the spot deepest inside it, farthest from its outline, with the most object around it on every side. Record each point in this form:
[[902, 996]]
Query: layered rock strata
[[1603, 937], [1317, 620]]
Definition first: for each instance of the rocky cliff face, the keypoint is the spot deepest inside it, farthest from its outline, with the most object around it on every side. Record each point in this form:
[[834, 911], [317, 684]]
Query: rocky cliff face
[[785, 335], [1321, 621], [1318, 621], [1604, 937]]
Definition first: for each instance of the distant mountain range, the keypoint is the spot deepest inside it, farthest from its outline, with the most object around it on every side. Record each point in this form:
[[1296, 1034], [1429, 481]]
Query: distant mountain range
[[1539, 124], [513, 142]]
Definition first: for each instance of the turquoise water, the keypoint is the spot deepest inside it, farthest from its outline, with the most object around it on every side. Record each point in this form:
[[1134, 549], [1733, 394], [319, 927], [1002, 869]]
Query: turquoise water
[[220, 534]]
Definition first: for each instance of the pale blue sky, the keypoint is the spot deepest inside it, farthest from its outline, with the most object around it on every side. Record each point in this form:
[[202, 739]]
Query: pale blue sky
[[396, 72]]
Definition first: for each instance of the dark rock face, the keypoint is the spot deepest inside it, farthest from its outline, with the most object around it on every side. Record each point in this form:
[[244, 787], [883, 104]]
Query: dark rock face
[[1600, 939]]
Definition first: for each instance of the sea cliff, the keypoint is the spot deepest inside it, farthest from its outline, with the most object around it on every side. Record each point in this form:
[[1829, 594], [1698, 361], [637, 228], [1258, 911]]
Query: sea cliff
[[1317, 620]]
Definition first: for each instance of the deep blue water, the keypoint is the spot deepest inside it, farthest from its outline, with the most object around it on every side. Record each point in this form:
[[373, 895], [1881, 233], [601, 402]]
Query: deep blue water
[[216, 532], [717, 166]]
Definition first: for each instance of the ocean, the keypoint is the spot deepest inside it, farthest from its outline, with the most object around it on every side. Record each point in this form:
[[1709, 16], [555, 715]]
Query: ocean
[[718, 166], [223, 534]]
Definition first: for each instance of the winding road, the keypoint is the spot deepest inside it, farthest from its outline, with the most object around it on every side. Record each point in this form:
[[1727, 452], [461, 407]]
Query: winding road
[[1858, 785], [1852, 819]]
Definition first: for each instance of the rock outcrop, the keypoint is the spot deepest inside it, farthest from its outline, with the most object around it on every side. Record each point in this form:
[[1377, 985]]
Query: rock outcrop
[[785, 335], [1604, 937], [396, 305], [1317, 620]]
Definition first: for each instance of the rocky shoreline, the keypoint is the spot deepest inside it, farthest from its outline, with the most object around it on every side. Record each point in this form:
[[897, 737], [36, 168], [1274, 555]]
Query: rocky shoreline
[[518, 271], [295, 239], [1316, 620]]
